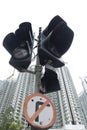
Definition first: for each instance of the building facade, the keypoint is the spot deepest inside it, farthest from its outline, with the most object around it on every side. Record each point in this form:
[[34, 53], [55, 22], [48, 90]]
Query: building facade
[[7, 90], [13, 93], [68, 110], [83, 99], [24, 87], [67, 105]]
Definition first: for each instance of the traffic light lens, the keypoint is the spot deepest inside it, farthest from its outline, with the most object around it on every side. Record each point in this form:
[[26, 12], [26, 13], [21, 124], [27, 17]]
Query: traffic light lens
[[20, 53]]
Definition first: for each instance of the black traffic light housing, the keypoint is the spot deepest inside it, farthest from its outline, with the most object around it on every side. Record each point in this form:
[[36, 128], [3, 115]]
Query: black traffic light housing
[[52, 24], [56, 40], [20, 46], [50, 81]]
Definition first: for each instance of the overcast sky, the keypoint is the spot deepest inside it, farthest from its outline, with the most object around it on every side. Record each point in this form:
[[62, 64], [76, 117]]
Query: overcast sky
[[39, 13]]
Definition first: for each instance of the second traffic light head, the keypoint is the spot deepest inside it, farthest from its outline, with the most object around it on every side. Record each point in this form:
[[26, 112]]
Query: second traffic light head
[[55, 44]]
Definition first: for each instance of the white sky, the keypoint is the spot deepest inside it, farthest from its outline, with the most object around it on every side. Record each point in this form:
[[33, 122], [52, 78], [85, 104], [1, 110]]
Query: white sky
[[39, 13]]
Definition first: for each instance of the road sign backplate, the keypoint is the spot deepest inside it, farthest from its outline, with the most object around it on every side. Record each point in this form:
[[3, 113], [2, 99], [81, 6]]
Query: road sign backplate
[[39, 111]]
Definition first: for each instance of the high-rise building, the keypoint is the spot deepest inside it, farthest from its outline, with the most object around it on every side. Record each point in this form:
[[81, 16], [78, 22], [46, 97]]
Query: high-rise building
[[66, 102], [13, 93], [68, 111], [83, 99], [24, 86], [0, 83], [7, 90]]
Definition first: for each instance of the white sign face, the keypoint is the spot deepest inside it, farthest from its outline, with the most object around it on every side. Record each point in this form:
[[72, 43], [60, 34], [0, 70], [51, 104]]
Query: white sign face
[[39, 111]]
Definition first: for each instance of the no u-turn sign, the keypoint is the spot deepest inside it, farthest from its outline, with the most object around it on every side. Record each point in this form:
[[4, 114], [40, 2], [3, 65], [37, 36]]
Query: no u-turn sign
[[39, 111]]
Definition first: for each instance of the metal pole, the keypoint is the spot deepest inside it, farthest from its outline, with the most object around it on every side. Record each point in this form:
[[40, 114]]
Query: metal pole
[[38, 70], [38, 67]]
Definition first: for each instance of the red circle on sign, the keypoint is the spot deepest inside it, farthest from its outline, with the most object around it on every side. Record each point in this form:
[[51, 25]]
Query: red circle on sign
[[31, 119]]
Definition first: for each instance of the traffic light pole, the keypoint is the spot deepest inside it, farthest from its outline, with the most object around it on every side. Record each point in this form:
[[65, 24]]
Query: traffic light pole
[[38, 67], [38, 70]]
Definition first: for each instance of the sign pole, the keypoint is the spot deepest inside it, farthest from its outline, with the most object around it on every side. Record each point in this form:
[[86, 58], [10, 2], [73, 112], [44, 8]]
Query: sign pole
[[38, 69]]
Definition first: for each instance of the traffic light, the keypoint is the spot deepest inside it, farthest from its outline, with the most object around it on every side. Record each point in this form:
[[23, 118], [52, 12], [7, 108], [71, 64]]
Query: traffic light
[[50, 81], [53, 23], [20, 46], [56, 40]]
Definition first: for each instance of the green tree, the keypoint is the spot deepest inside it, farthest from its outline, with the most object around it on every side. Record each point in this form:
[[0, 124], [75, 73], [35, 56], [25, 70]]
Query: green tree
[[7, 121], [16, 126]]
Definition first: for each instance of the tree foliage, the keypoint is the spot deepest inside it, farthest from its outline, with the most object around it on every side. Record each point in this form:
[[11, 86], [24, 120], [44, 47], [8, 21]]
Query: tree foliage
[[7, 121]]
